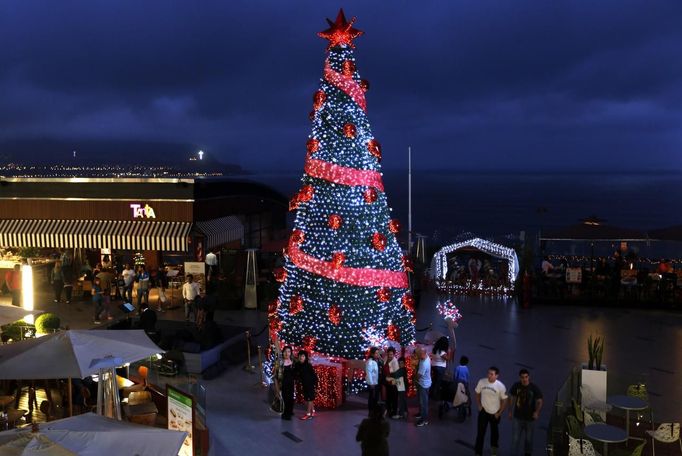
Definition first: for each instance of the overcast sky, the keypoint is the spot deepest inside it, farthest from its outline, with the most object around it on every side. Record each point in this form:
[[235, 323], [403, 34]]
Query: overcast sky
[[470, 84]]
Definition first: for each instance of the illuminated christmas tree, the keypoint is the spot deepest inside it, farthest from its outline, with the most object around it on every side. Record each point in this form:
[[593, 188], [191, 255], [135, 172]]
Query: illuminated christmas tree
[[344, 286]]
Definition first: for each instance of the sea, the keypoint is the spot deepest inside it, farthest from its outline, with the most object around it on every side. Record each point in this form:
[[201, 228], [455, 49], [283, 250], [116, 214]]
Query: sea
[[450, 206]]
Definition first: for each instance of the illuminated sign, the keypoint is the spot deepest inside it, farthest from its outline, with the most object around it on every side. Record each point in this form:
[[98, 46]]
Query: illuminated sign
[[140, 211]]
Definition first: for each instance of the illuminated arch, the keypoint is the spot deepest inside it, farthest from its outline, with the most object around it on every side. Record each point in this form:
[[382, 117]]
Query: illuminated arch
[[439, 263]]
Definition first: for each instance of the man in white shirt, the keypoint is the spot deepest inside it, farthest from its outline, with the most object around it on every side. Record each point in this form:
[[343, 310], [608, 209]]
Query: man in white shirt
[[190, 294], [372, 378], [491, 395]]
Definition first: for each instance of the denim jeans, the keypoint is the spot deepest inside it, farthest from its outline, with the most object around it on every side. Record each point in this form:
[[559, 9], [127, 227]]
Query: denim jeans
[[142, 294], [485, 418], [423, 394], [374, 396], [522, 431]]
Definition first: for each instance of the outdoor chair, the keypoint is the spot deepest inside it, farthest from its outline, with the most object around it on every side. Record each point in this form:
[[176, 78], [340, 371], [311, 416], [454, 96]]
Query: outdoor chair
[[580, 447], [47, 409], [573, 427], [666, 433], [622, 452]]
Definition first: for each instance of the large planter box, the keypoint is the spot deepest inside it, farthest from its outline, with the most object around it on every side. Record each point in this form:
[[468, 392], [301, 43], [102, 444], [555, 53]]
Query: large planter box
[[593, 389]]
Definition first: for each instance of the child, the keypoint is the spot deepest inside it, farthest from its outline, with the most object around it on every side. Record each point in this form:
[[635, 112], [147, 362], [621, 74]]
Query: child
[[308, 378], [399, 378], [462, 376]]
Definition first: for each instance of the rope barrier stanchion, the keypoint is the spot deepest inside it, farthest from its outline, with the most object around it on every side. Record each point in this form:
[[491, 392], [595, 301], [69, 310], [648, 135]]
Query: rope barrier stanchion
[[248, 367]]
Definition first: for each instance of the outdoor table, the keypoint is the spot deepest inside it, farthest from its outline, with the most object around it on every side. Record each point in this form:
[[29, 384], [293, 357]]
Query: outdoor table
[[627, 403], [606, 434]]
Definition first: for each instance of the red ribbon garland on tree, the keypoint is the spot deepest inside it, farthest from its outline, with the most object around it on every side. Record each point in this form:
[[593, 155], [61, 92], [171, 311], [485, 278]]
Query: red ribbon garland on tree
[[330, 172]]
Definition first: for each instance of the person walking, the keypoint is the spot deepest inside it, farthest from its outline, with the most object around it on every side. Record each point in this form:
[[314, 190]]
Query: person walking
[[423, 385], [372, 378], [128, 280], [97, 300], [190, 294], [57, 280], [491, 396], [373, 433], [13, 282], [142, 286], [525, 402], [462, 376], [106, 279], [308, 378], [285, 377]]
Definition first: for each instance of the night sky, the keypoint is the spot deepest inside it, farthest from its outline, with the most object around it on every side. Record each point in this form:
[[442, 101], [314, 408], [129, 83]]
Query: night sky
[[508, 85]]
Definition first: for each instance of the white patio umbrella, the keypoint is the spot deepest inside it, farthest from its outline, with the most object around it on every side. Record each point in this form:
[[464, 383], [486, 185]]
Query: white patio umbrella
[[91, 434], [73, 354], [10, 314]]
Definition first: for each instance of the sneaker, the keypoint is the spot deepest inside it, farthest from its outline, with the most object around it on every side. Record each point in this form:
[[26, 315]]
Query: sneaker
[[56, 300], [418, 417], [305, 417], [68, 302], [160, 310], [396, 417], [97, 322], [421, 423]]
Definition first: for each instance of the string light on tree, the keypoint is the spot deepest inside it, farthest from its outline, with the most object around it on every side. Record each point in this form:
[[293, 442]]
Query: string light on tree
[[344, 270]]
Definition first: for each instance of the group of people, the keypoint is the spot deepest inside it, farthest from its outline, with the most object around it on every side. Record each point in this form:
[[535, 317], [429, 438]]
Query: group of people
[[107, 282], [434, 372], [287, 373]]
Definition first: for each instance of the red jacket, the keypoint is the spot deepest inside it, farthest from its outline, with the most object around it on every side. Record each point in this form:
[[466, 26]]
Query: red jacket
[[13, 280]]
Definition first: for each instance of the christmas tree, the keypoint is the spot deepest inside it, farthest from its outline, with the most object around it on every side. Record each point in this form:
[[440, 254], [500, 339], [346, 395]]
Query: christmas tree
[[344, 284]]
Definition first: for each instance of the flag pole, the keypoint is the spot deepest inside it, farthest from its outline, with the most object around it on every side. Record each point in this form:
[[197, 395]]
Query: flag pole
[[409, 200]]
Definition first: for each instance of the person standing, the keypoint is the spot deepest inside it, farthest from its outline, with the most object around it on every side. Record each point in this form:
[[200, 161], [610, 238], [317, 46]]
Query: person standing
[[373, 433], [285, 377], [106, 279], [399, 379], [423, 385], [372, 378], [68, 277], [389, 367], [190, 294], [97, 299], [57, 280], [491, 396], [128, 280], [462, 376], [308, 378], [13, 282], [142, 286], [525, 401]]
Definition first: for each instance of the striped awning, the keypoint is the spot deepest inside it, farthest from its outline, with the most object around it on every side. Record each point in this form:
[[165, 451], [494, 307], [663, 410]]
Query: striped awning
[[113, 234], [221, 230]]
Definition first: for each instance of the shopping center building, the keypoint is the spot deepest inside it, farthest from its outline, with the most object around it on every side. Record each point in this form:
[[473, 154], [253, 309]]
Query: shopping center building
[[165, 219]]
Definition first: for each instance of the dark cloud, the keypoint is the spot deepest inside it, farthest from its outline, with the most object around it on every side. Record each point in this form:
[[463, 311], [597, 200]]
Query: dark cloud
[[494, 84]]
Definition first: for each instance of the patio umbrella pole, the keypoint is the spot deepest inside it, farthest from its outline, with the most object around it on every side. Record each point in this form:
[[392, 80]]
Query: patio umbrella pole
[[69, 394]]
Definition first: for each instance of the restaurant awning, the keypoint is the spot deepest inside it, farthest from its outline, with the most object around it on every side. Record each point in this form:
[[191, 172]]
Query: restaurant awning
[[114, 234], [221, 230]]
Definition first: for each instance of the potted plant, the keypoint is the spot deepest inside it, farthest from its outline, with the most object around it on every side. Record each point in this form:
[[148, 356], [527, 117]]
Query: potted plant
[[46, 323], [593, 384]]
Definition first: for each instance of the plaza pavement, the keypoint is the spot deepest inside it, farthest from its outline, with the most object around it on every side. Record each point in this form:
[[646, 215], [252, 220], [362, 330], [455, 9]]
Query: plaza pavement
[[641, 345]]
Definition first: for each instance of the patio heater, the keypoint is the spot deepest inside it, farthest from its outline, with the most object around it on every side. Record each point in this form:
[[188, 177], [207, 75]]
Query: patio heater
[[250, 295], [108, 401]]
